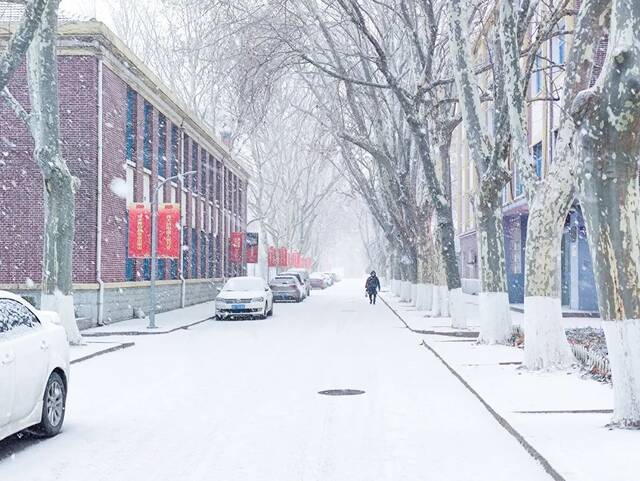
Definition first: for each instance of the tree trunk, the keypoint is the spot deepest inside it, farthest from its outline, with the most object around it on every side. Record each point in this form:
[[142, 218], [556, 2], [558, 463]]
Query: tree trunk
[[546, 345], [609, 143], [59, 184], [495, 316]]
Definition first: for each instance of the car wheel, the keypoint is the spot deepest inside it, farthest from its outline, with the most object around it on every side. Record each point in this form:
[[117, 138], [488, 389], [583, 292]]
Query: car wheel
[[270, 313], [53, 407], [264, 312]]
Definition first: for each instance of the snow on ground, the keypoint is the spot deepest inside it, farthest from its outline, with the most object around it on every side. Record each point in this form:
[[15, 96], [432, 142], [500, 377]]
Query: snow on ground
[[239, 401], [578, 445]]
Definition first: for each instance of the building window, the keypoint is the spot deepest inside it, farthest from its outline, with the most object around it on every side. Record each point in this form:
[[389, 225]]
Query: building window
[[537, 78], [516, 254], [146, 269], [517, 182], [185, 251], [194, 251], [148, 129], [161, 269], [211, 256], [146, 188], [130, 130], [203, 254], [561, 42], [130, 184], [173, 269], [175, 142], [162, 145], [537, 158], [203, 172], [129, 268], [194, 166], [185, 160]]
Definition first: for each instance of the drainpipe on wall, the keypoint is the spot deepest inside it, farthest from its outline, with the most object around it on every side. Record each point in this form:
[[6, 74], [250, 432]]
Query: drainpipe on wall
[[183, 283], [100, 306]]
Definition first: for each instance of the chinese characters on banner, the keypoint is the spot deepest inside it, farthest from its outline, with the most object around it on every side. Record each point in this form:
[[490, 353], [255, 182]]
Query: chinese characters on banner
[[235, 247], [283, 257], [273, 257], [169, 231], [296, 259], [139, 231], [252, 247]]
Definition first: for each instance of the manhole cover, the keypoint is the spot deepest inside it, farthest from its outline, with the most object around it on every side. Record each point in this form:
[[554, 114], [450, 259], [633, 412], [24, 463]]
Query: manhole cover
[[341, 392]]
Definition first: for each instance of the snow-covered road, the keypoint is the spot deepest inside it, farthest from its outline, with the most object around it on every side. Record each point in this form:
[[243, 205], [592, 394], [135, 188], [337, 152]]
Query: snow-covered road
[[228, 401]]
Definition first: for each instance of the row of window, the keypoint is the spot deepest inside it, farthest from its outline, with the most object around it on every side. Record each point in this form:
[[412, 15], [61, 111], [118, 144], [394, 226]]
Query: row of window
[[209, 177]]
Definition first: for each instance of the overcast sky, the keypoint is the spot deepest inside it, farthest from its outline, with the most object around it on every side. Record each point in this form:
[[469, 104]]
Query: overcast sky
[[98, 9]]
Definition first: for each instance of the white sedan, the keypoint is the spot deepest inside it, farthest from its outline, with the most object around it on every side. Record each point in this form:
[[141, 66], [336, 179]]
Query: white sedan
[[244, 297], [34, 368]]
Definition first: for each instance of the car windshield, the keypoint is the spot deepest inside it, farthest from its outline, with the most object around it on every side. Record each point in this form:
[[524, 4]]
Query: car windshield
[[243, 284], [281, 281]]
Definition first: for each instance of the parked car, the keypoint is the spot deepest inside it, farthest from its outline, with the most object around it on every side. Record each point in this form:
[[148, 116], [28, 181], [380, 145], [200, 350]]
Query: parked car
[[334, 277], [319, 281], [300, 278], [329, 278], [287, 288], [244, 298], [304, 274], [34, 368]]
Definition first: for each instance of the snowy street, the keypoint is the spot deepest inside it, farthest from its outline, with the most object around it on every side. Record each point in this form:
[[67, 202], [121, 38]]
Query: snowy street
[[239, 401]]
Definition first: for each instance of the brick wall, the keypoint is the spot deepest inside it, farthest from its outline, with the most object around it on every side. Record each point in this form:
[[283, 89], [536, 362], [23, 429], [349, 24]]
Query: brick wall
[[21, 197]]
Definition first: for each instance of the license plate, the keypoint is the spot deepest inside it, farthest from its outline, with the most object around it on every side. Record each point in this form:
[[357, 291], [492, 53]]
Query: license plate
[[237, 307]]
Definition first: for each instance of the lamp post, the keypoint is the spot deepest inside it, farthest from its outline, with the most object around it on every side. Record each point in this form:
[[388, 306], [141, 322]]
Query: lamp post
[[154, 243]]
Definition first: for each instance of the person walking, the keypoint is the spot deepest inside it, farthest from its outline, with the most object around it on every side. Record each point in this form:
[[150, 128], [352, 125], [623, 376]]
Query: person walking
[[372, 286]]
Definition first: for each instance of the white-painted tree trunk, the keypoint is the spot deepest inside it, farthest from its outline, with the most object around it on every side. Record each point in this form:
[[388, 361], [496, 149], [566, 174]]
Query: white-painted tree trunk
[[64, 307], [414, 294], [419, 297], [457, 309], [546, 345], [428, 297], [623, 341], [444, 301], [436, 302], [405, 295], [495, 318]]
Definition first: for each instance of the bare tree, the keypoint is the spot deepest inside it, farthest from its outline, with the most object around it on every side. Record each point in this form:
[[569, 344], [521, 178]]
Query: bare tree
[[550, 197], [608, 117], [43, 122]]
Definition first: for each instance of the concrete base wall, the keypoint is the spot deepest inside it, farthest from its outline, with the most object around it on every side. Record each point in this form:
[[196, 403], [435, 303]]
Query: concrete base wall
[[126, 300]]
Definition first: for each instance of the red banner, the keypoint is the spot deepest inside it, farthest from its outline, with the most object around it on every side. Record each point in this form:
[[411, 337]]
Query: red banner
[[169, 231], [252, 247], [283, 257], [235, 247], [308, 263], [296, 259], [139, 231], [273, 257]]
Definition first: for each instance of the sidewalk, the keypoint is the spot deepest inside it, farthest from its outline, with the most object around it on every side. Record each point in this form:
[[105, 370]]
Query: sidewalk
[[562, 415], [166, 322]]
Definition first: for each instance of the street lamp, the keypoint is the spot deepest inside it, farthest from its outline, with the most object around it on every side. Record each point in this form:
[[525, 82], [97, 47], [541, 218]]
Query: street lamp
[[154, 243]]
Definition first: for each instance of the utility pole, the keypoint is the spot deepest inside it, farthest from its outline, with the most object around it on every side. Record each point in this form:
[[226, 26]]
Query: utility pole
[[154, 244]]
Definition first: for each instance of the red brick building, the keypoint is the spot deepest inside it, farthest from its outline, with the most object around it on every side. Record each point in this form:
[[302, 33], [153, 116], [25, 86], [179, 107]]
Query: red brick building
[[119, 126]]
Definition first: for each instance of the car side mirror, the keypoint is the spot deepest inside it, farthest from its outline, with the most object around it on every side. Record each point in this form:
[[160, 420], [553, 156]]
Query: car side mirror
[[266, 289]]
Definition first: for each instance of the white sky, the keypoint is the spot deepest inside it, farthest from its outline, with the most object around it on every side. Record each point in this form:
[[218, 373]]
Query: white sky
[[98, 9]]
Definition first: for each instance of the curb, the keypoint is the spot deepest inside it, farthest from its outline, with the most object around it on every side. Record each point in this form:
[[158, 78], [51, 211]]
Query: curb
[[535, 454], [144, 333], [119, 347]]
